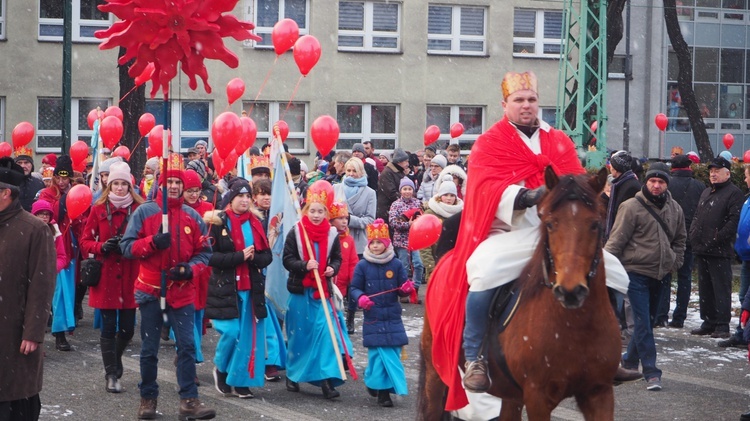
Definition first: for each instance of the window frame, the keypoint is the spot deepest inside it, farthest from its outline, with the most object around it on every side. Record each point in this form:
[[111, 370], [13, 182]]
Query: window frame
[[175, 126], [538, 40], [367, 33], [77, 23], [455, 36], [75, 132], [455, 117], [2, 119], [3, 20], [251, 15], [275, 111], [366, 134]]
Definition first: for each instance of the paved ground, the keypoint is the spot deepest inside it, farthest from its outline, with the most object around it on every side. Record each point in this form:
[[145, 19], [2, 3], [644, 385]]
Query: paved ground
[[701, 382]]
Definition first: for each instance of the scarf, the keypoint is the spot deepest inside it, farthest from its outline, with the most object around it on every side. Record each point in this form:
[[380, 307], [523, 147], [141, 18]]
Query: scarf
[[443, 210], [120, 201], [627, 175], [318, 237], [379, 259], [353, 185], [240, 241], [659, 200]]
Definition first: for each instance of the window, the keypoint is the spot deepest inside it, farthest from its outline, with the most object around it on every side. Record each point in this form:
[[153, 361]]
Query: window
[[266, 114], [549, 115], [618, 67], [444, 116], [87, 19], [456, 30], [369, 26], [50, 121], [3, 12], [537, 33], [190, 121], [265, 14], [377, 123]]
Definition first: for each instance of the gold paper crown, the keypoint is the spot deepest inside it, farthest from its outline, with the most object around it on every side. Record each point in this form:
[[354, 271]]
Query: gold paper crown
[[48, 172], [378, 230], [260, 162], [338, 210], [513, 82], [317, 197], [175, 163], [23, 150]]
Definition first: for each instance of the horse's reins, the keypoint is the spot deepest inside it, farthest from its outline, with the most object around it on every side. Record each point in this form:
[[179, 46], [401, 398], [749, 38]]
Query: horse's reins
[[551, 262]]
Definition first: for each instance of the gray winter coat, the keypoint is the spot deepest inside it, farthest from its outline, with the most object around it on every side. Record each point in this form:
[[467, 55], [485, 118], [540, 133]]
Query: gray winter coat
[[362, 208]]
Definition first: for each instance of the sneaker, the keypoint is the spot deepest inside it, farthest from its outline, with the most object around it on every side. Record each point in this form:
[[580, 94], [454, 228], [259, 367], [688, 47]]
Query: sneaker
[[653, 384], [194, 409], [721, 334], [243, 393], [220, 383], [476, 378], [272, 374], [732, 342]]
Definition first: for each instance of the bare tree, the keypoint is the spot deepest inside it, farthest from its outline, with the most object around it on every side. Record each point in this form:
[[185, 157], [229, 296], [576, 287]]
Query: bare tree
[[132, 107]]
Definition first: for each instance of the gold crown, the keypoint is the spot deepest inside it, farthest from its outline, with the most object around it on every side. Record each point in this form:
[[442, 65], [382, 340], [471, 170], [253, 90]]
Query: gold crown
[[260, 162], [317, 197], [23, 150], [378, 230], [338, 210], [513, 82], [175, 163], [48, 172]]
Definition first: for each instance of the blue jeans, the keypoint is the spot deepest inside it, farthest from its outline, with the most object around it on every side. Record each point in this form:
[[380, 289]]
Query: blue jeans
[[644, 293], [181, 319], [684, 285], [477, 316], [416, 261]]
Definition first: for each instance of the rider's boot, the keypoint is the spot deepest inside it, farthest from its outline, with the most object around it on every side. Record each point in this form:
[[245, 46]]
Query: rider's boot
[[476, 379]]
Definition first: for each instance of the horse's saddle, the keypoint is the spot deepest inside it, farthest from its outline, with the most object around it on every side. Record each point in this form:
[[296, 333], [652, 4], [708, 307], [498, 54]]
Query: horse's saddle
[[504, 305]]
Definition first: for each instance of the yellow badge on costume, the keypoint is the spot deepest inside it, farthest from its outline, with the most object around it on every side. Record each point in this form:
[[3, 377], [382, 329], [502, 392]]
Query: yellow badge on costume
[[346, 245], [389, 274], [188, 230]]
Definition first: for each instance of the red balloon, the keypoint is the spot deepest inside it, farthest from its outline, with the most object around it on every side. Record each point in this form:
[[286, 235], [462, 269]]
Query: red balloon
[[230, 161], [285, 33], [424, 232], [79, 151], [146, 123], [79, 166], [111, 131], [22, 134], [78, 200], [156, 140], [728, 141], [151, 152], [226, 131], [5, 149], [283, 129], [145, 75], [218, 162], [325, 133], [249, 132], [93, 115], [661, 121], [122, 151], [431, 135], [306, 53], [594, 126], [115, 111], [746, 156], [235, 89], [457, 129]]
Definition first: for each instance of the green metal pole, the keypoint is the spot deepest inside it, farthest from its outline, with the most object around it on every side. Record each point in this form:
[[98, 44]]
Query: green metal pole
[[66, 78]]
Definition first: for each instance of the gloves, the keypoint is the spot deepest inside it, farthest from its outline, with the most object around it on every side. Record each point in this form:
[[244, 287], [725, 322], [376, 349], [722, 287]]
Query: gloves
[[407, 288], [744, 317], [162, 240], [365, 302], [113, 244], [181, 272], [528, 198]]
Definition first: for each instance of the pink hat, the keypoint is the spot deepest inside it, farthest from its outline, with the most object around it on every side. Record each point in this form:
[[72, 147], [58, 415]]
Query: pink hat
[[119, 171], [41, 206]]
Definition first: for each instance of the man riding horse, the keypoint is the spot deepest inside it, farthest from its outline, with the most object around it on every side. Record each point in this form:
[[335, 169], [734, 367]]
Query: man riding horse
[[495, 242]]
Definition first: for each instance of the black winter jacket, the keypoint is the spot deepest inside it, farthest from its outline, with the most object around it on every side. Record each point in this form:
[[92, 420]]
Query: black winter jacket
[[29, 188], [714, 226], [624, 187], [387, 190], [686, 191], [298, 268], [221, 303]]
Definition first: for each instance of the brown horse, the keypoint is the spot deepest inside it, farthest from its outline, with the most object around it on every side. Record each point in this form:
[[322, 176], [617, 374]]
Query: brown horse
[[563, 339]]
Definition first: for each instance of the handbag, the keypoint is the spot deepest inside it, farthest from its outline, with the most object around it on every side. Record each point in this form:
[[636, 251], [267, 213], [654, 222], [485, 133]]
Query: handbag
[[91, 272]]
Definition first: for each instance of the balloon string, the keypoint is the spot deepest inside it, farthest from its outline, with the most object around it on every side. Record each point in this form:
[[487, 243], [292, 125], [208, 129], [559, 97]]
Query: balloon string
[[135, 147], [262, 85], [289, 104], [128, 93]]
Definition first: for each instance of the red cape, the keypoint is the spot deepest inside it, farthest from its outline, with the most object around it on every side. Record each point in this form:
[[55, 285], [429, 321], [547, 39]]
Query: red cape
[[499, 159]]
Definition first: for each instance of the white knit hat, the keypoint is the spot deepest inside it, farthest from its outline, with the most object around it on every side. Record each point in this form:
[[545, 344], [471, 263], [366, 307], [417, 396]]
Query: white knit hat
[[119, 171], [447, 186]]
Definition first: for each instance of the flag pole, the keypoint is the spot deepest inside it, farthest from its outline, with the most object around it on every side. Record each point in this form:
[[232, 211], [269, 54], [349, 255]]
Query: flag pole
[[164, 211]]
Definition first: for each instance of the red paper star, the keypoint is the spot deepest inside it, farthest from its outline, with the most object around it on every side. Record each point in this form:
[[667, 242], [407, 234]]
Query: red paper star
[[165, 32]]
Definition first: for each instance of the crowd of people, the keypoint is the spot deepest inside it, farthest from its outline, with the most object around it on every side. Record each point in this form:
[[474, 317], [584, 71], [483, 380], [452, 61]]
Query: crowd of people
[[190, 251]]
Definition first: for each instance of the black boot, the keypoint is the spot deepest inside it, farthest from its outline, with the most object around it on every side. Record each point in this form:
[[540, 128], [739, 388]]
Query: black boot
[[122, 344], [61, 343], [292, 386], [350, 322], [384, 399], [328, 391], [109, 358], [80, 295]]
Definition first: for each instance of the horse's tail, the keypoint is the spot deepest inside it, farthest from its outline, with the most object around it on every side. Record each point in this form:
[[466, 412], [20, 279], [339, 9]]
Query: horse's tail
[[432, 391]]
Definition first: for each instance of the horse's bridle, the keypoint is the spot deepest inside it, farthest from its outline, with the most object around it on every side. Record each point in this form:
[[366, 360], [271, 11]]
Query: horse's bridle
[[551, 262]]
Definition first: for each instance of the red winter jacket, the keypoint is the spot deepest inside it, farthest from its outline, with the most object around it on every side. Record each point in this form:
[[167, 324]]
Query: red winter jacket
[[349, 260], [116, 285], [189, 245]]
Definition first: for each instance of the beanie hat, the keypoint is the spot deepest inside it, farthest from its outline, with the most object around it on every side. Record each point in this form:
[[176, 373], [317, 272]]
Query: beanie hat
[[371, 162], [681, 161], [406, 181], [50, 159], [64, 167], [41, 206], [303, 166], [11, 174], [694, 157], [358, 147], [199, 167], [119, 171], [153, 164], [399, 156], [107, 163], [239, 187], [440, 160], [202, 142], [192, 180], [621, 161], [447, 186], [378, 230], [658, 170], [726, 155]]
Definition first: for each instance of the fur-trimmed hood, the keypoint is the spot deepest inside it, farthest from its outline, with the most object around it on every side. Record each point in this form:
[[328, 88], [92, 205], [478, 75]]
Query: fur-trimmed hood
[[213, 217], [452, 170]]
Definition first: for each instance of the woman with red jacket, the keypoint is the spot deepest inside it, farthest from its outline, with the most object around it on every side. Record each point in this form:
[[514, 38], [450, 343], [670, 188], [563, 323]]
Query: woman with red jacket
[[113, 296]]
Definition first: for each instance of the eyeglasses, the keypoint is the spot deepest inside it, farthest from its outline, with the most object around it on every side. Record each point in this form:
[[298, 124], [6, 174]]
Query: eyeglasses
[[193, 191]]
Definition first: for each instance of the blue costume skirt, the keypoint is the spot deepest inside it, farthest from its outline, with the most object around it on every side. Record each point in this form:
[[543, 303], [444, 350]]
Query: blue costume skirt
[[275, 345], [311, 356], [63, 301], [238, 339], [385, 370]]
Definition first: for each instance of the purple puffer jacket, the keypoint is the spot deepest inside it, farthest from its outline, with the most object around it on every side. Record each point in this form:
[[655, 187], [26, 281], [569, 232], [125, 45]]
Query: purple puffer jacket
[[398, 223]]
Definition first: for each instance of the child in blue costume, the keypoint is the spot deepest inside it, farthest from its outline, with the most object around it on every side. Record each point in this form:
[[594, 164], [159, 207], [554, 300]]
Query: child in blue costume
[[379, 280]]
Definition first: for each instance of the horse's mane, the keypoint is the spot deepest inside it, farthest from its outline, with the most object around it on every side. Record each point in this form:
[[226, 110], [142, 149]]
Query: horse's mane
[[568, 188]]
